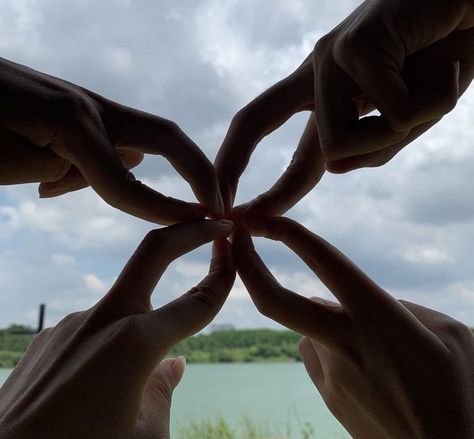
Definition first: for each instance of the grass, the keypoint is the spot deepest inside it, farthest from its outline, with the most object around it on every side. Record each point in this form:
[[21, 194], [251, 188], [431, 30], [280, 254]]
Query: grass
[[248, 429]]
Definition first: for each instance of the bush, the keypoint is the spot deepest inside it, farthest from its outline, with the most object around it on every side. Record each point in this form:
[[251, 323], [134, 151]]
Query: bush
[[9, 359]]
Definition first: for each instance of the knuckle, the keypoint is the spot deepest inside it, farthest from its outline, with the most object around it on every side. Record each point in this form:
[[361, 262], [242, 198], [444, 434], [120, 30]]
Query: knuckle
[[457, 331], [400, 120], [71, 320], [344, 47], [157, 238], [448, 103], [323, 45], [204, 294], [161, 389], [247, 119], [42, 336], [76, 105], [171, 128]]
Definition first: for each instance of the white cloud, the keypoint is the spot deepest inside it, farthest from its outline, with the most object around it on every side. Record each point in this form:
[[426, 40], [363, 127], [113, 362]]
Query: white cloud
[[410, 225], [62, 260], [93, 283]]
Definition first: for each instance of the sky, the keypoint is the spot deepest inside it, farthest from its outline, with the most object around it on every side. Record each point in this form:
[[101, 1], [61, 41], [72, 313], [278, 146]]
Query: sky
[[409, 224]]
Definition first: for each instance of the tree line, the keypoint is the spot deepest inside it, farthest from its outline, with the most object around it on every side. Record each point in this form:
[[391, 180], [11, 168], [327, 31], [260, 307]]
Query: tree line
[[230, 346]]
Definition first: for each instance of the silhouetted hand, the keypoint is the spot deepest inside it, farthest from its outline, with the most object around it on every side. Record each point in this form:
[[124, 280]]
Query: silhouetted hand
[[98, 374], [385, 368], [411, 60], [67, 138]]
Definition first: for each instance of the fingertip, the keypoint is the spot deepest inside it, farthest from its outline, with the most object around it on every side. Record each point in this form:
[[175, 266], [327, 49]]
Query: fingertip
[[177, 369], [224, 227]]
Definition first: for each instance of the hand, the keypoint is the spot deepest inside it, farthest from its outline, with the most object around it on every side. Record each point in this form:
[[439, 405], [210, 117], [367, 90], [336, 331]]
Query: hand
[[409, 59], [97, 374], [67, 138], [385, 368]]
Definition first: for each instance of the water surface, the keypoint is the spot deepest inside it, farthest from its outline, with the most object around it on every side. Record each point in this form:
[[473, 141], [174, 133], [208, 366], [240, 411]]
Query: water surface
[[278, 396]]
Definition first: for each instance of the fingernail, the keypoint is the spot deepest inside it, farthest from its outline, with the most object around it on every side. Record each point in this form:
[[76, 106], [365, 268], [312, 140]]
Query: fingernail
[[177, 368], [179, 362]]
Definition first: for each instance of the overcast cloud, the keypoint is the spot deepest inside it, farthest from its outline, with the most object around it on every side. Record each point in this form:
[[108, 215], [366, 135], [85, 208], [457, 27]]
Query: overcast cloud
[[410, 224]]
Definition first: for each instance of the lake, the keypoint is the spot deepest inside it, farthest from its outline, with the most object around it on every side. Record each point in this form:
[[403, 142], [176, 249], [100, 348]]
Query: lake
[[280, 397]]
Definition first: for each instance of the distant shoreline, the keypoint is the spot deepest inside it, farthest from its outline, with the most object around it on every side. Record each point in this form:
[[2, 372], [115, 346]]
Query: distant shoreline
[[219, 347]]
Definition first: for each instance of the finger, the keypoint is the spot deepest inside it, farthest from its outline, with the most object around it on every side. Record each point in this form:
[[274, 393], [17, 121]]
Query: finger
[[310, 318], [422, 68], [154, 417], [304, 172], [91, 152], [376, 69], [362, 298], [132, 291], [259, 118], [342, 133], [23, 162], [194, 310], [74, 181], [147, 133], [378, 158], [311, 362]]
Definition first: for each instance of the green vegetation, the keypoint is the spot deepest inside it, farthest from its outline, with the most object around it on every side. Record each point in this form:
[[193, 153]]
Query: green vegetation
[[232, 346], [240, 346], [248, 429], [14, 341]]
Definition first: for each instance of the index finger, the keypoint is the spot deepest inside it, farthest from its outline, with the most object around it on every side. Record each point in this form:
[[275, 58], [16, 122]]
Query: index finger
[[304, 172], [137, 130], [132, 291], [90, 150], [258, 119], [314, 319], [359, 295]]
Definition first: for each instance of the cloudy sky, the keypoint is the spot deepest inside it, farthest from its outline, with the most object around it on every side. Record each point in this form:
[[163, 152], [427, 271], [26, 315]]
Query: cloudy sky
[[410, 224]]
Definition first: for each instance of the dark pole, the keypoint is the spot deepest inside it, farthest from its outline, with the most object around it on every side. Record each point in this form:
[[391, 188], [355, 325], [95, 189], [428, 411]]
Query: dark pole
[[42, 310]]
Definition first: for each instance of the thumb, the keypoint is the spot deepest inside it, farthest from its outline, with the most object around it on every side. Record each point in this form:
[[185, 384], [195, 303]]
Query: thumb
[[154, 417]]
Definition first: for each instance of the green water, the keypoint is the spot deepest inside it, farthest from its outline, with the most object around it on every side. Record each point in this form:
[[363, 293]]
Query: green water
[[278, 396]]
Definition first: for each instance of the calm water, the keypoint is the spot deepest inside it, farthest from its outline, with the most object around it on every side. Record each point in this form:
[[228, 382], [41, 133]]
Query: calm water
[[278, 396]]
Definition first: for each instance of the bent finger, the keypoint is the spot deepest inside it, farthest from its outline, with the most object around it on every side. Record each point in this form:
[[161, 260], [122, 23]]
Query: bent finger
[[131, 293], [90, 151], [342, 133], [359, 295], [137, 130], [304, 172], [259, 118], [305, 316], [197, 308]]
